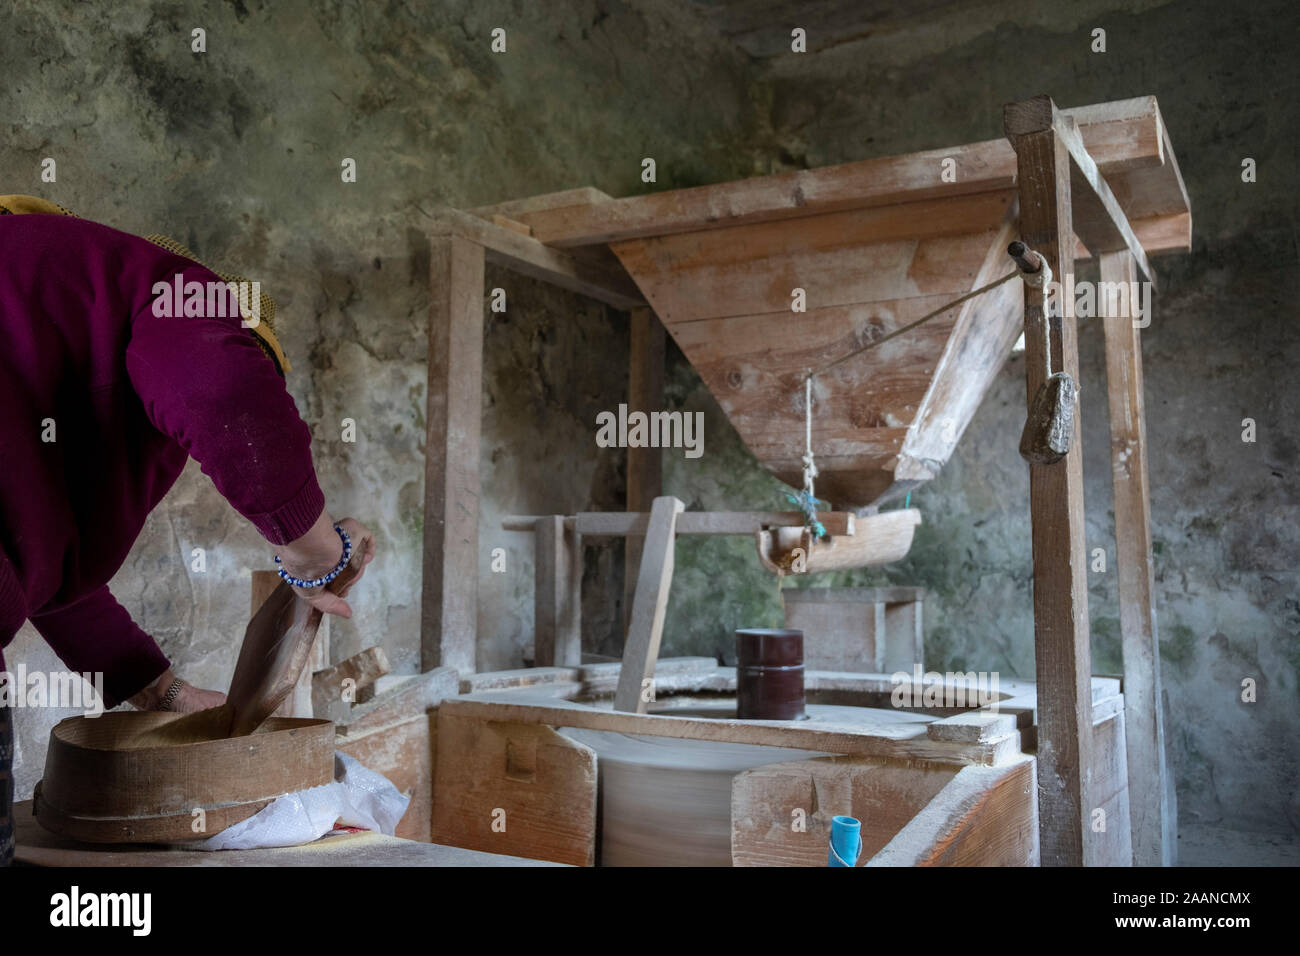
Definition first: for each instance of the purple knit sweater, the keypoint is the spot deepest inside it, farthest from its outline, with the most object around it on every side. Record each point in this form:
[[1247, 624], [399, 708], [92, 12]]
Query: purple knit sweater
[[130, 396]]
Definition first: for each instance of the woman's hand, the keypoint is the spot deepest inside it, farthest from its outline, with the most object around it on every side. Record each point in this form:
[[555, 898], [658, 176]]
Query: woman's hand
[[187, 700], [318, 552]]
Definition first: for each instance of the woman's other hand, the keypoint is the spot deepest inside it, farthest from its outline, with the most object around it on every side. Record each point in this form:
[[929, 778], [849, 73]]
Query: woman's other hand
[[318, 552], [187, 700]]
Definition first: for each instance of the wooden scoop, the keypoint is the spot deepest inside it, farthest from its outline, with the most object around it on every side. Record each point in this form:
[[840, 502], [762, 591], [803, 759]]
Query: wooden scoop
[[277, 645]]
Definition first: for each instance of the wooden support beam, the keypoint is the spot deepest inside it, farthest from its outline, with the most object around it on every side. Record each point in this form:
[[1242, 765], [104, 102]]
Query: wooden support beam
[[645, 393], [557, 597], [449, 613], [1124, 136], [1098, 219], [527, 255], [1061, 648], [1153, 825], [646, 630], [617, 524]]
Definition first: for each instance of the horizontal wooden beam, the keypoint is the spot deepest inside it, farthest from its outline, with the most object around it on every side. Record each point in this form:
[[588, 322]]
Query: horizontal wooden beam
[[1124, 136], [531, 257], [897, 740], [619, 524]]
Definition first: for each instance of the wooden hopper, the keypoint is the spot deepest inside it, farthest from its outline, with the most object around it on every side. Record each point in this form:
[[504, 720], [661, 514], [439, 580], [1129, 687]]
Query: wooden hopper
[[872, 245]]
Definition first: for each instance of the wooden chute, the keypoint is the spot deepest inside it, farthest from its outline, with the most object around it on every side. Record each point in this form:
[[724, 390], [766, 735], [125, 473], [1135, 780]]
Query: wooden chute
[[877, 539]]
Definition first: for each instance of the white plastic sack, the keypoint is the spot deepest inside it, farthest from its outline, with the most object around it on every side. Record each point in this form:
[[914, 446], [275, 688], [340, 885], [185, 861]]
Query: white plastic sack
[[358, 797]]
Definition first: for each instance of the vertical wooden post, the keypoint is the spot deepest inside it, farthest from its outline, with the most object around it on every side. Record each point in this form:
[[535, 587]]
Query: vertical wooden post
[[645, 392], [557, 595], [1061, 650], [449, 612], [641, 650], [1152, 816]]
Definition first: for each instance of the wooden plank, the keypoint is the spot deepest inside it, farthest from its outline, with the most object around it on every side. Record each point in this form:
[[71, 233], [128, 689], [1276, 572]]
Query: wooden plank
[[518, 678], [511, 788], [412, 695], [1164, 234], [402, 752], [641, 649], [36, 846], [1122, 136], [620, 524], [1154, 835], [836, 595], [530, 257], [902, 740], [857, 629], [904, 636], [645, 393], [766, 802], [1061, 649], [1098, 219], [514, 208], [973, 352], [839, 636], [671, 673], [983, 817], [1109, 793], [863, 255], [449, 612], [557, 601], [395, 734], [334, 689]]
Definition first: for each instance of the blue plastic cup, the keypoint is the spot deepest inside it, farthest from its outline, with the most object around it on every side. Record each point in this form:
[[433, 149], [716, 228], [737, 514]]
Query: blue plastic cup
[[846, 842]]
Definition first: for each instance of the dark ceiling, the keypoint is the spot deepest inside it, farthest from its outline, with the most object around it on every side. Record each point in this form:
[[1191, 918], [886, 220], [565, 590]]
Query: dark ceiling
[[762, 27]]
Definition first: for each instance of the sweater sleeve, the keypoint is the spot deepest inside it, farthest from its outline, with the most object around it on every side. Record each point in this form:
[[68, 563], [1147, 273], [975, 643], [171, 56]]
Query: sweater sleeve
[[205, 382], [97, 635]]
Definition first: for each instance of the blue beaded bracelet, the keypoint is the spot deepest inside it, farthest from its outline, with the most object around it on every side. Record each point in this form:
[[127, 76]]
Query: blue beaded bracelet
[[324, 579]]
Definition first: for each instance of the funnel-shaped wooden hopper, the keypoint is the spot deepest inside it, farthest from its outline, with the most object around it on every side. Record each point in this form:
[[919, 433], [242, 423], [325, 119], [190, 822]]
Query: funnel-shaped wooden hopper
[[882, 421], [869, 246]]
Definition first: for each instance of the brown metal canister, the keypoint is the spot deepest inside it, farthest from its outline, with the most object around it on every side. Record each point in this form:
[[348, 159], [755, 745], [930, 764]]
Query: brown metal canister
[[769, 674]]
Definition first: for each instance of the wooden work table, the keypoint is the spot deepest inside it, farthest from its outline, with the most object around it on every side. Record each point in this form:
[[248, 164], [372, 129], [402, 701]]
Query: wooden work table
[[36, 846]]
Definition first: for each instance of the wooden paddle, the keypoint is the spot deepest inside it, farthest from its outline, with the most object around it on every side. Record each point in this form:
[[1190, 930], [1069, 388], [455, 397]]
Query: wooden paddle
[[277, 645]]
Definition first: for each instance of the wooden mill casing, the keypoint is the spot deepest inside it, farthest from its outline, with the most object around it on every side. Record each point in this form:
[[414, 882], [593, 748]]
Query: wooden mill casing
[[576, 782], [868, 247]]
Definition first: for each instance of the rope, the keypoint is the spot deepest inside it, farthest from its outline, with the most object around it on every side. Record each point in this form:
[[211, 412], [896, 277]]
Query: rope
[[809, 463], [806, 501], [911, 325]]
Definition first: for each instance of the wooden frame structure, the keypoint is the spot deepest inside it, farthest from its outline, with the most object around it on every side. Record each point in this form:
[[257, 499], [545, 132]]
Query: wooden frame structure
[[1100, 181]]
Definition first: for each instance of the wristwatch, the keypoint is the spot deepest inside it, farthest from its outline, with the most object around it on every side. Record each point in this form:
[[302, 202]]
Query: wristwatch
[[173, 691]]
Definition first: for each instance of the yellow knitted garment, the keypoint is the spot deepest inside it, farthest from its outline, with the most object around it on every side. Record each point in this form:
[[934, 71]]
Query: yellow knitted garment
[[263, 331]]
